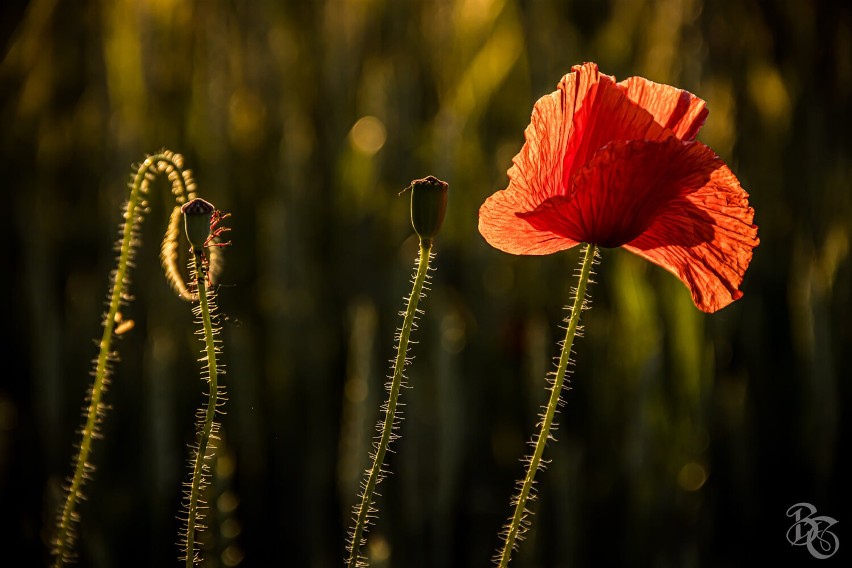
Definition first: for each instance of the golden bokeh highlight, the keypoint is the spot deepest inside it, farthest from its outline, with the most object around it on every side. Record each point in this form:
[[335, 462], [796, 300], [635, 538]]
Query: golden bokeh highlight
[[368, 135], [692, 476]]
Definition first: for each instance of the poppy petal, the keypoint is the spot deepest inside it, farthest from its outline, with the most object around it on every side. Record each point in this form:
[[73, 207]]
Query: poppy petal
[[602, 113], [566, 129], [674, 203], [680, 111], [502, 229], [622, 191], [721, 221], [535, 175]]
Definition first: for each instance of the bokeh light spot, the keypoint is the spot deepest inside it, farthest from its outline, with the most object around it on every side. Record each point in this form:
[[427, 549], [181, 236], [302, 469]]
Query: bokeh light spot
[[368, 135], [453, 337], [380, 549], [232, 556], [247, 115], [769, 93], [227, 502], [692, 476]]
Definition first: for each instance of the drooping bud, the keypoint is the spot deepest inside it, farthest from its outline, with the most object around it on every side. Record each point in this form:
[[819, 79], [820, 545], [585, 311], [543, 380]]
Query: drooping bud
[[197, 215], [428, 206]]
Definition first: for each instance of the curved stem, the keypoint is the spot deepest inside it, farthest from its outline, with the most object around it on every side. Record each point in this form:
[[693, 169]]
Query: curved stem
[[204, 433], [519, 523], [374, 474], [96, 411]]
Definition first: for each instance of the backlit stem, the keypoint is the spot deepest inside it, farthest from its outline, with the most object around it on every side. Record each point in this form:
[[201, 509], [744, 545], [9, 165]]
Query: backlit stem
[[212, 401], [182, 188], [374, 475], [519, 523]]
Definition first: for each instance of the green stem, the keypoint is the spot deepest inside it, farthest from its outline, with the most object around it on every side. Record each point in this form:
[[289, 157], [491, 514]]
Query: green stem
[[519, 522], [95, 413], [374, 475], [204, 433]]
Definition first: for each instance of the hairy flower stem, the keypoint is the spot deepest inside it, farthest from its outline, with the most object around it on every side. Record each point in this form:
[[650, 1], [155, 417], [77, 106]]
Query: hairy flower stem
[[519, 522], [182, 188], [374, 475], [204, 434]]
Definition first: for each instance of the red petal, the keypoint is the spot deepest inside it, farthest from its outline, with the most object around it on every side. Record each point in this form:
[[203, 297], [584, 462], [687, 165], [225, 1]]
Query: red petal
[[568, 127], [621, 191], [503, 229], [713, 269], [709, 243], [680, 111], [535, 175], [674, 203], [607, 113]]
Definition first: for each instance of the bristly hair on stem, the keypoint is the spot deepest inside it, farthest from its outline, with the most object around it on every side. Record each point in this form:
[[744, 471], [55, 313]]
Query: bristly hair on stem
[[165, 163], [519, 523], [428, 207], [366, 510], [202, 231]]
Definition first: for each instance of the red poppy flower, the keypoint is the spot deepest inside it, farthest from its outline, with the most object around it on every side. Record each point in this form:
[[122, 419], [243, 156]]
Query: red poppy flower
[[616, 165]]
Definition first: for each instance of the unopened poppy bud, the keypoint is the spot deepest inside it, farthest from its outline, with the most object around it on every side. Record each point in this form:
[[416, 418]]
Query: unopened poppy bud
[[197, 215], [428, 205]]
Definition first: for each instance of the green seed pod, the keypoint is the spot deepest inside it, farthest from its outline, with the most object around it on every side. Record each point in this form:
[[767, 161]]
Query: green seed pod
[[197, 215], [428, 206]]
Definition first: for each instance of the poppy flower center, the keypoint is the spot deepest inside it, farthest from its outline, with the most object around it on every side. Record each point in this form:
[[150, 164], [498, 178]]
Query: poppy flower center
[[614, 228], [604, 224]]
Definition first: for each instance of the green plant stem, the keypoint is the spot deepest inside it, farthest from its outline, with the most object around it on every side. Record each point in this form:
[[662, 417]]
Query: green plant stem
[[518, 522], [83, 469], [374, 475], [210, 412]]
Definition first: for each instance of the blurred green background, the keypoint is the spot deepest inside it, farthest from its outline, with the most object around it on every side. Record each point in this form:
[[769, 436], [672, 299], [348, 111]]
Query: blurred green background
[[686, 436]]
